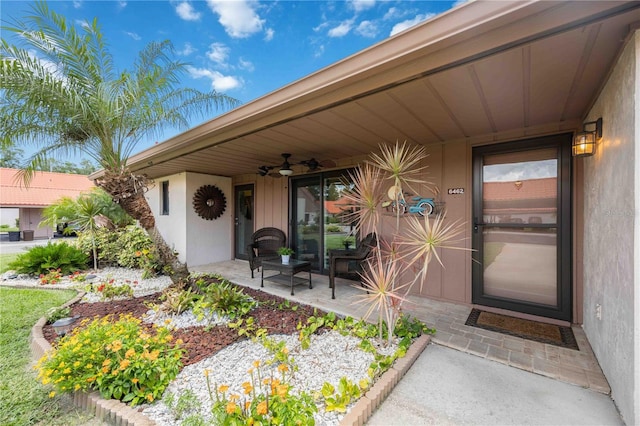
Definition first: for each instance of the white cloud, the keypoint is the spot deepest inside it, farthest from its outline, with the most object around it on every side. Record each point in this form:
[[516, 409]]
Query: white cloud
[[77, 4], [187, 50], [219, 82], [122, 4], [321, 27], [268, 34], [186, 12], [459, 2], [319, 51], [367, 29], [218, 53], [341, 30], [246, 65], [401, 26], [134, 36], [82, 23], [360, 5], [238, 18], [392, 13]]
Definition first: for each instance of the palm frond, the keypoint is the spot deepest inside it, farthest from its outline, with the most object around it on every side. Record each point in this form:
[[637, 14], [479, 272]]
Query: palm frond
[[401, 162], [364, 199], [423, 238]]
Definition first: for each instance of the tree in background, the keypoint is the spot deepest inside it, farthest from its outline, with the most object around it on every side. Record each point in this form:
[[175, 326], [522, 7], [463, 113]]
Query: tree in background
[[62, 94], [10, 157]]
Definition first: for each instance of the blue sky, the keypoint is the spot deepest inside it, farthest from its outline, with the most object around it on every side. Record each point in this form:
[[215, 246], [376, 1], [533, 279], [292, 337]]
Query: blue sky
[[244, 49]]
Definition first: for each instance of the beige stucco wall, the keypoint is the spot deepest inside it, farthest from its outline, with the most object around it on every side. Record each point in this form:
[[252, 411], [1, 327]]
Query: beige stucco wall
[[30, 218], [610, 223], [198, 241]]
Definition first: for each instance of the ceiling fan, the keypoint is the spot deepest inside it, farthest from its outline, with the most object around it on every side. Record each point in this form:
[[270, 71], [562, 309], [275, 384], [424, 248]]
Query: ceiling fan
[[284, 169]]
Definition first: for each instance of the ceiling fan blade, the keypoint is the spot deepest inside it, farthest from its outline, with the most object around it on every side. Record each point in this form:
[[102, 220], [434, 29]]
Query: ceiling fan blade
[[275, 175]]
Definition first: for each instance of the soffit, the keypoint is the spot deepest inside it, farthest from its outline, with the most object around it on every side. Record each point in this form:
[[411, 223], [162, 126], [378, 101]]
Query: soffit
[[525, 69]]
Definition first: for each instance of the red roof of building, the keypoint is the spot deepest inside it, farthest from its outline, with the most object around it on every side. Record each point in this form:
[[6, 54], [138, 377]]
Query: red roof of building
[[529, 189], [336, 207], [45, 188]]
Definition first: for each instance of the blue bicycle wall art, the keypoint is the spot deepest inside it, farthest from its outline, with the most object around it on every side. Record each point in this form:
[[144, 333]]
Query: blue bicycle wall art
[[418, 205]]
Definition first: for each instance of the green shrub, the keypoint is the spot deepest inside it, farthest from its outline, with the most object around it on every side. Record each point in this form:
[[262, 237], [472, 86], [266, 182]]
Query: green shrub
[[120, 359], [224, 299], [176, 300], [128, 247], [42, 259], [333, 228]]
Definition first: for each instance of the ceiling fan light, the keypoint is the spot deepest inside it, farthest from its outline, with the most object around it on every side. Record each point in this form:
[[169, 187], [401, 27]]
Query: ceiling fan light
[[286, 172]]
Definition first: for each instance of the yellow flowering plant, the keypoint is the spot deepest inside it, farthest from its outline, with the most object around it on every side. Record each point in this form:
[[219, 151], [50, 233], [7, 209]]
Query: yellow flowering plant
[[119, 358], [263, 401]]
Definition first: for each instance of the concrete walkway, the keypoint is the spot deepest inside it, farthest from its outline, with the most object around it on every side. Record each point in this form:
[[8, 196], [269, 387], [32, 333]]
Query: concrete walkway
[[469, 375], [449, 387]]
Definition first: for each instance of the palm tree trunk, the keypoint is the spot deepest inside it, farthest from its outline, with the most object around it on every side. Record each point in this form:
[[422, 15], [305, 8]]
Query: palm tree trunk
[[128, 190]]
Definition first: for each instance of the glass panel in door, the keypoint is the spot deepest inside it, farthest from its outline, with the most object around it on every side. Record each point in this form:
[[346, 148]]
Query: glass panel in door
[[307, 220], [338, 230], [243, 210], [520, 262]]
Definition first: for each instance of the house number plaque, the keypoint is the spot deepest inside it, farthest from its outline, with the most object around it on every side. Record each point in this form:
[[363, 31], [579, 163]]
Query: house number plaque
[[455, 191]]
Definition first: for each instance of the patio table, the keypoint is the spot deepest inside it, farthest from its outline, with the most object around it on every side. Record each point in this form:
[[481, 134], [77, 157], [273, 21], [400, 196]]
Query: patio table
[[287, 272]]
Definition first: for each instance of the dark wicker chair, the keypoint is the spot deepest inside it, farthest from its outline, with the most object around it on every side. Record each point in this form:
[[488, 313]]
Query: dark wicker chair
[[266, 242], [349, 262]]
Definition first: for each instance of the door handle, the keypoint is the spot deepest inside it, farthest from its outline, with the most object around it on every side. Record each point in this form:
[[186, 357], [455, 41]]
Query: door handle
[[477, 224]]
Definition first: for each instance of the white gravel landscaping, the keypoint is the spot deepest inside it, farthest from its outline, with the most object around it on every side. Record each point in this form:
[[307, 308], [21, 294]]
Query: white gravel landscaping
[[330, 356]]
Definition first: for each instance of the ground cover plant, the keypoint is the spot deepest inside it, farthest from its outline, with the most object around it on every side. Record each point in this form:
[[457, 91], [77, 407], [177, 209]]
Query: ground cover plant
[[19, 310], [62, 258]]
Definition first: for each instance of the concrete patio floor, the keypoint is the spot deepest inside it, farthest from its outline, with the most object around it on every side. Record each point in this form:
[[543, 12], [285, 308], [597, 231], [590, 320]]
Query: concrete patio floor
[[502, 365]]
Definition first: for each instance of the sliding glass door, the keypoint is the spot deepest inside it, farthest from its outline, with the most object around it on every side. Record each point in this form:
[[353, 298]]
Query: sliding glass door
[[319, 217]]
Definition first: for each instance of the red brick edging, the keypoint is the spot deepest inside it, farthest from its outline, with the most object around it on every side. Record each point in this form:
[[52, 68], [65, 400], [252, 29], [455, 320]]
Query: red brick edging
[[120, 414], [367, 404]]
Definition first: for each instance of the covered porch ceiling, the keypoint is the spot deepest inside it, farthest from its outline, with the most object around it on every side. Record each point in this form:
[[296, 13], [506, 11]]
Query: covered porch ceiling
[[485, 71]]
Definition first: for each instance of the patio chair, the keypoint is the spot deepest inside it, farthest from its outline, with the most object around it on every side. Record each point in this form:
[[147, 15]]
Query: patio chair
[[266, 242], [349, 262]]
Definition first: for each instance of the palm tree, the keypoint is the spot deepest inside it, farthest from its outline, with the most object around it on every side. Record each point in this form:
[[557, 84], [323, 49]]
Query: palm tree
[[62, 94]]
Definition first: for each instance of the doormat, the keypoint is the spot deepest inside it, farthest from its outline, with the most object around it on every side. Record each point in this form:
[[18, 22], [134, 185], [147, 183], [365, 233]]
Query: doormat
[[526, 329]]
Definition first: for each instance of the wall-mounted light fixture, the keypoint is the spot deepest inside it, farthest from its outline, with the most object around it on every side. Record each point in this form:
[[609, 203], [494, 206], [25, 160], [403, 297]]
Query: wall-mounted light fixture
[[584, 143]]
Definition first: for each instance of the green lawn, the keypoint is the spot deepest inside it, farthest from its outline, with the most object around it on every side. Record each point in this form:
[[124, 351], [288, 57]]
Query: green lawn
[[23, 400], [5, 259]]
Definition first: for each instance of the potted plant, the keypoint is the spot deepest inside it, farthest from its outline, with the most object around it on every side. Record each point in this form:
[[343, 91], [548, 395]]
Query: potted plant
[[286, 253]]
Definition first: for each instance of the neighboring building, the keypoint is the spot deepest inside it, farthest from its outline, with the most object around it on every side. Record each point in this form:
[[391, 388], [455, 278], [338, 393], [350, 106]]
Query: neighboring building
[[44, 189], [495, 92]]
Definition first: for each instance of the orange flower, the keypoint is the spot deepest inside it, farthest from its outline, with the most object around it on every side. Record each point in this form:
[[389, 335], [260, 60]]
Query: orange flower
[[262, 408], [134, 380], [116, 345], [234, 397], [131, 352], [150, 397], [283, 368], [124, 364], [256, 363], [281, 390], [231, 407], [223, 388]]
